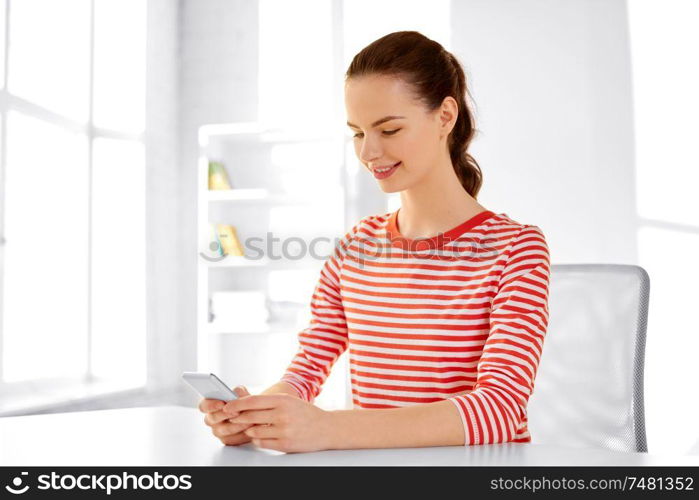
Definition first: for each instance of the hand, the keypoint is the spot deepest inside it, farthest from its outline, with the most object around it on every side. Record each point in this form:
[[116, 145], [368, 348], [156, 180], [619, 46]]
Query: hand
[[282, 422], [221, 427]]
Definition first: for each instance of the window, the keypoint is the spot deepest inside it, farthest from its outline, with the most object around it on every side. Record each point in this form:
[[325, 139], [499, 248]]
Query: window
[[72, 192]]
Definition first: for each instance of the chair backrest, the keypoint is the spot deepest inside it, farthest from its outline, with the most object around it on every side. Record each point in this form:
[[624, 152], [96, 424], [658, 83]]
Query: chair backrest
[[588, 391]]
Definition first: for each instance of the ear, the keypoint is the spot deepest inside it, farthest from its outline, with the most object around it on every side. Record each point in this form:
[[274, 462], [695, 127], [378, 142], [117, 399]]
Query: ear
[[448, 113]]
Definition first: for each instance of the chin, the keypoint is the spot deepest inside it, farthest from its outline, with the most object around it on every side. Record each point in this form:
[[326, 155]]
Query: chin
[[388, 189], [397, 185]]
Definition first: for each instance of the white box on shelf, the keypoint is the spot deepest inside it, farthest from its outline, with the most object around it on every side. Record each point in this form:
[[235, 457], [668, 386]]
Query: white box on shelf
[[239, 311]]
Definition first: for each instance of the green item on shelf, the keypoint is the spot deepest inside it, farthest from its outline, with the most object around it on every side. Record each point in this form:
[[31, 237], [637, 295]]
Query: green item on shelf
[[218, 177], [228, 239], [215, 246]]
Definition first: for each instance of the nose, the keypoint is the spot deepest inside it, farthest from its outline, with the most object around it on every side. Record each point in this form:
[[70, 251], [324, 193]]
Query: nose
[[369, 150]]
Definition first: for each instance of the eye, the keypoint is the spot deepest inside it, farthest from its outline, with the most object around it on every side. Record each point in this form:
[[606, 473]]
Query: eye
[[387, 132]]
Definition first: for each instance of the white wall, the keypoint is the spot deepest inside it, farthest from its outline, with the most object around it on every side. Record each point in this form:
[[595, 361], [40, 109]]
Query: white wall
[[551, 81], [162, 201], [218, 84], [598, 156]]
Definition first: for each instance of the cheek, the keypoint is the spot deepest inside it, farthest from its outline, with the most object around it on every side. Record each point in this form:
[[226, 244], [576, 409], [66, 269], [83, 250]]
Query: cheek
[[403, 148], [425, 148], [412, 150]]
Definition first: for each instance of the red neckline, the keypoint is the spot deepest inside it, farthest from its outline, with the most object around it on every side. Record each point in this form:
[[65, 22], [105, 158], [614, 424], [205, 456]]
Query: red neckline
[[400, 241]]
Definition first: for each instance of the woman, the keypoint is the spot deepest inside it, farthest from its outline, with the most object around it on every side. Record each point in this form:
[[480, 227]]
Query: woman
[[442, 304]]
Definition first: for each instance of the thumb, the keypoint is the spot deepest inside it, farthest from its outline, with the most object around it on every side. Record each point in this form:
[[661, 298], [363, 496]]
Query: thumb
[[241, 391]]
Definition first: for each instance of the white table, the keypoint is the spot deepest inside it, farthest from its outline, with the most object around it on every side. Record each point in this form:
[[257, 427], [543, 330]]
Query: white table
[[177, 436]]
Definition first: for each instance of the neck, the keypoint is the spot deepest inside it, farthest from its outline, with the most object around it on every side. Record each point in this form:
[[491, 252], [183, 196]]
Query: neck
[[436, 203]]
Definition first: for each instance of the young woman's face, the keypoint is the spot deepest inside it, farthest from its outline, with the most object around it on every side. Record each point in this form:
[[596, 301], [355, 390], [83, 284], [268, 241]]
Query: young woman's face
[[412, 141]]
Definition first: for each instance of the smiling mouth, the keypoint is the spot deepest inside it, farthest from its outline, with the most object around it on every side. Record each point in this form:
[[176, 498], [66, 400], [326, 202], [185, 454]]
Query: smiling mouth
[[386, 172], [385, 169]]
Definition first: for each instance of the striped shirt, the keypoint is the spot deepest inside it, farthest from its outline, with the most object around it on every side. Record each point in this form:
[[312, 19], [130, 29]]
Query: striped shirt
[[461, 316]]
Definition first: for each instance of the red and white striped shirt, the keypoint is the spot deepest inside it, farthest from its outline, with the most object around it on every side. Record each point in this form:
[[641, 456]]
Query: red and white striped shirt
[[461, 316]]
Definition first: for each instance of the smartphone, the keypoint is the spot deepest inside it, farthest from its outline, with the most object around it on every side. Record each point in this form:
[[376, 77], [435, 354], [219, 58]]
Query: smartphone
[[209, 386]]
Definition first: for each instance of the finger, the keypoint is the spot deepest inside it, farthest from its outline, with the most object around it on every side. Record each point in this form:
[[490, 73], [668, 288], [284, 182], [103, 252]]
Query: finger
[[256, 417], [215, 417], [241, 391], [228, 429], [235, 439], [263, 432], [259, 402], [231, 428], [209, 405]]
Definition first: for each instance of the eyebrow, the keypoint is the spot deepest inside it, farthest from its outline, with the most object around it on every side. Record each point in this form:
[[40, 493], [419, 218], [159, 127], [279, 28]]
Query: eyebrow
[[378, 122]]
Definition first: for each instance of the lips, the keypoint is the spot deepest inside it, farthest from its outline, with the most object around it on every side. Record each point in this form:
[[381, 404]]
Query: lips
[[387, 173], [374, 169]]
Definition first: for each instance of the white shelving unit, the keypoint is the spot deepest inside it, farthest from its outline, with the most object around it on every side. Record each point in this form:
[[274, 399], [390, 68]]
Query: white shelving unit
[[259, 162]]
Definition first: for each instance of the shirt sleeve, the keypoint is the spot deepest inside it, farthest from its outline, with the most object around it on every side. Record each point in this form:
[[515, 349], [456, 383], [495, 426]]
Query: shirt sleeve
[[323, 341], [496, 407]]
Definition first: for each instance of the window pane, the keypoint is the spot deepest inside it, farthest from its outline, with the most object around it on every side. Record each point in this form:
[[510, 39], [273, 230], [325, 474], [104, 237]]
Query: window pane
[[45, 281], [50, 54], [118, 260], [120, 65]]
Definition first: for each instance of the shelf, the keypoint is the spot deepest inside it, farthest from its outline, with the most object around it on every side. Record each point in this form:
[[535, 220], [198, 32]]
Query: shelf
[[275, 196], [243, 262], [230, 261], [257, 195], [271, 330], [238, 194], [264, 196]]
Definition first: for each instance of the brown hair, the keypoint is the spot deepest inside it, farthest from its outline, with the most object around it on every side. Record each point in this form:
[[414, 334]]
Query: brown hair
[[433, 73]]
